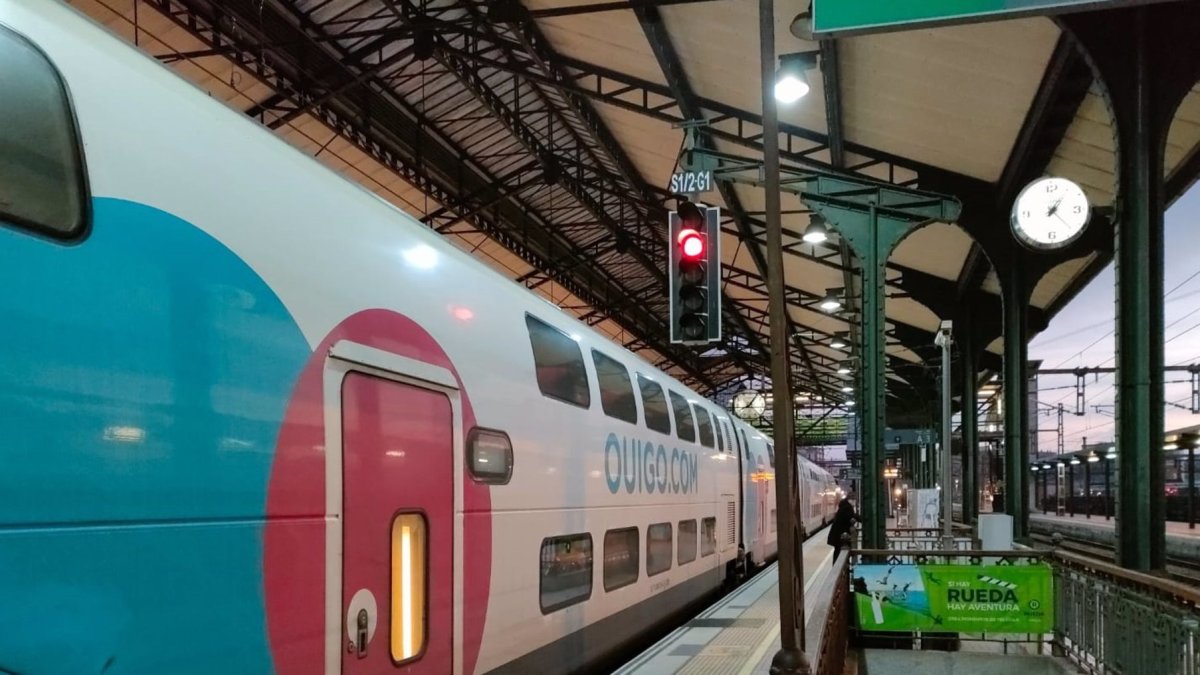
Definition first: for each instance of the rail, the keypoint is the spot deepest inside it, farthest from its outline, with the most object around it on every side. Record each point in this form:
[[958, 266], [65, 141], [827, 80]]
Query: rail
[[1112, 620], [826, 630]]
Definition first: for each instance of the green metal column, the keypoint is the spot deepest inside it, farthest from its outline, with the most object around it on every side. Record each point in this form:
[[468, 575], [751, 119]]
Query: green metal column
[[874, 385], [1139, 290], [1016, 398], [970, 421]]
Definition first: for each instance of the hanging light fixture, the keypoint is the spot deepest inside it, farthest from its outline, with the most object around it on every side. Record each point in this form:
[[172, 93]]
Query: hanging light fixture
[[1093, 457], [1074, 460], [791, 82], [1112, 452], [816, 231], [844, 368], [831, 302], [838, 342]]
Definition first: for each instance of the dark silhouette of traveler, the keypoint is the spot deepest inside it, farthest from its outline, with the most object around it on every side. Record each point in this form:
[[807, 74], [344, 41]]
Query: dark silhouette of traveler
[[843, 520]]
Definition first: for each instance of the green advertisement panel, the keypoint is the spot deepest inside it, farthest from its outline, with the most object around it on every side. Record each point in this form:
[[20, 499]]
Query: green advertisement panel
[[955, 598], [833, 17]]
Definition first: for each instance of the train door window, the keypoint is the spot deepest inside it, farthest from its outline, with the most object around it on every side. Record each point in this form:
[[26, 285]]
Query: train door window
[[621, 558], [616, 390], [658, 548], [745, 444], [685, 429], [687, 541], [720, 425], [43, 186], [561, 374], [566, 571], [774, 520], [654, 405], [708, 536], [408, 587], [705, 426], [737, 441], [771, 454]]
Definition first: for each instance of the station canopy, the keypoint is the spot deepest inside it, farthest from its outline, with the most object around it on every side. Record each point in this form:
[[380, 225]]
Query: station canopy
[[541, 136]]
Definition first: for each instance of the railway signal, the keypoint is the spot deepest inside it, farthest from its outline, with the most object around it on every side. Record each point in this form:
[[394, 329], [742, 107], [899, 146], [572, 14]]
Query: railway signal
[[694, 279]]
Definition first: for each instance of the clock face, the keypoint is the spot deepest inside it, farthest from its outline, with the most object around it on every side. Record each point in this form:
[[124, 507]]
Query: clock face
[[1050, 213], [749, 405]]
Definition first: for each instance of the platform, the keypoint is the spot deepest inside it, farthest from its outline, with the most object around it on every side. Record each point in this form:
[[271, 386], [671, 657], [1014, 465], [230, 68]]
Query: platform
[[738, 635]]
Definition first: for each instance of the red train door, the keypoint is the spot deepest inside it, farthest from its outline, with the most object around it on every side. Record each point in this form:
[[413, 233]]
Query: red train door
[[398, 527]]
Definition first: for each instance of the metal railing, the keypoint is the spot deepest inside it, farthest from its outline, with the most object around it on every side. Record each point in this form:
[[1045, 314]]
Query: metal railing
[[827, 626], [1115, 621]]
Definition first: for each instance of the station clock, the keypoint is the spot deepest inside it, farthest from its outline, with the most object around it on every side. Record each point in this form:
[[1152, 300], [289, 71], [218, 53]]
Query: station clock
[[1050, 213], [749, 405]]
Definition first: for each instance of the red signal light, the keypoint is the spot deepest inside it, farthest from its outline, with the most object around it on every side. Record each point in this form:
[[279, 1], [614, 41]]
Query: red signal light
[[691, 243]]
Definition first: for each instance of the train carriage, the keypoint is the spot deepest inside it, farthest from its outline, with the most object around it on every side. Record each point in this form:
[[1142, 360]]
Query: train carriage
[[260, 421]]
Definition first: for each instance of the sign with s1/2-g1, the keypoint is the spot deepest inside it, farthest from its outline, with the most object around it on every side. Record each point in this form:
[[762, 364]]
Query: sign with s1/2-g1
[[690, 182]]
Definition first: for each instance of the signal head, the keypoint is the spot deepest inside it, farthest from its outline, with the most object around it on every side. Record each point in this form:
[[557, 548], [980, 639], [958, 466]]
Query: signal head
[[691, 244]]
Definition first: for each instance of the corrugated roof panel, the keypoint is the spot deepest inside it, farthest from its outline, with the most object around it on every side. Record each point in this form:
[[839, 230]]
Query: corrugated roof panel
[[612, 39], [717, 43], [1054, 282], [1087, 153], [954, 97], [1184, 135], [938, 249]]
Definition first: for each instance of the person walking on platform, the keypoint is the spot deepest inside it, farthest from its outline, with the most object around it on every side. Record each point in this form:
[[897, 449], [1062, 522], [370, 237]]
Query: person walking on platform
[[843, 520]]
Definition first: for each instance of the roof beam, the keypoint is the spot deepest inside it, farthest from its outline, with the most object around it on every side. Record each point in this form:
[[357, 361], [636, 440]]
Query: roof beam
[[272, 48]]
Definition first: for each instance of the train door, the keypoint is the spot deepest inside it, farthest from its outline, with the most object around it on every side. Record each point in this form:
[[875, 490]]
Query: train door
[[396, 591]]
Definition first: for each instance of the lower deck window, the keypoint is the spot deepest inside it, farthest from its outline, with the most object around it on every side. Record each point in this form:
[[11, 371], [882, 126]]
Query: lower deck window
[[658, 548], [621, 558], [409, 585], [687, 541], [708, 536], [566, 571]]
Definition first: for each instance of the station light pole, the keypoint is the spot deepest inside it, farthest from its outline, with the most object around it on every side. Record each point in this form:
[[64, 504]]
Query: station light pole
[[943, 340], [790, 659]]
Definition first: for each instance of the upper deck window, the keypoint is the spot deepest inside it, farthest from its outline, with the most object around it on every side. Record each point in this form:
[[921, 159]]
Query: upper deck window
[[559, 361], [685, 428], [42, 181], [705, 426], [654, 405], [616, 391]]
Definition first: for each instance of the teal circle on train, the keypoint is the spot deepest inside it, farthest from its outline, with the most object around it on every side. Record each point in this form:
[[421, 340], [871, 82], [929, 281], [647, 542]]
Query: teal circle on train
[[144, 374]]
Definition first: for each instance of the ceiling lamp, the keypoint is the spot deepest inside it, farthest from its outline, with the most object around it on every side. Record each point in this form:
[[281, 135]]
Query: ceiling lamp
[[838, 342], [1093, 457], [1112, 452], [816, 232], [1074, 460], [791, 83], [847, 389], [843, 369], [831, 302]]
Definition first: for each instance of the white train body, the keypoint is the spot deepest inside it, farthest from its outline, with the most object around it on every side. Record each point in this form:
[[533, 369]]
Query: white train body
[[241, 366]]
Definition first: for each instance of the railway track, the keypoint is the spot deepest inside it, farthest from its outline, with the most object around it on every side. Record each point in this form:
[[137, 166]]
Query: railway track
[[1178, 569]]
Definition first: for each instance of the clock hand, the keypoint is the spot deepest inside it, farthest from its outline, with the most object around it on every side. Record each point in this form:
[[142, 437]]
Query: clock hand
[[1054, 206]]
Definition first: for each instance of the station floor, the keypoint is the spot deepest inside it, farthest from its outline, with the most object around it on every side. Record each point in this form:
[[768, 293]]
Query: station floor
[[1174, 528], [740, 634]]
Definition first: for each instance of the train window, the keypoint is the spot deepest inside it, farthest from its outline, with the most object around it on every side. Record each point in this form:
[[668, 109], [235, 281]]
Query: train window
[[705, 427], [771, 454], [684, 427], [621, 558], [616, 391], [658, 548], [774, 520], [737, 441], [560, 371], [745, 444], [408, 587], [489, 456], [43, 186], [708, 536], [687, 541], [566, 574], [720, 424], [654, 405]]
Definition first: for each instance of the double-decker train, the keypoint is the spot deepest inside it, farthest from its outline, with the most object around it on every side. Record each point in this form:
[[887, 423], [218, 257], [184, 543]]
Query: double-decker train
[[256, 420]]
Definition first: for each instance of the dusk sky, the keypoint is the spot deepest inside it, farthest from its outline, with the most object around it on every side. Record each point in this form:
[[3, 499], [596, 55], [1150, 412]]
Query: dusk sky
[[1083, 335]]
